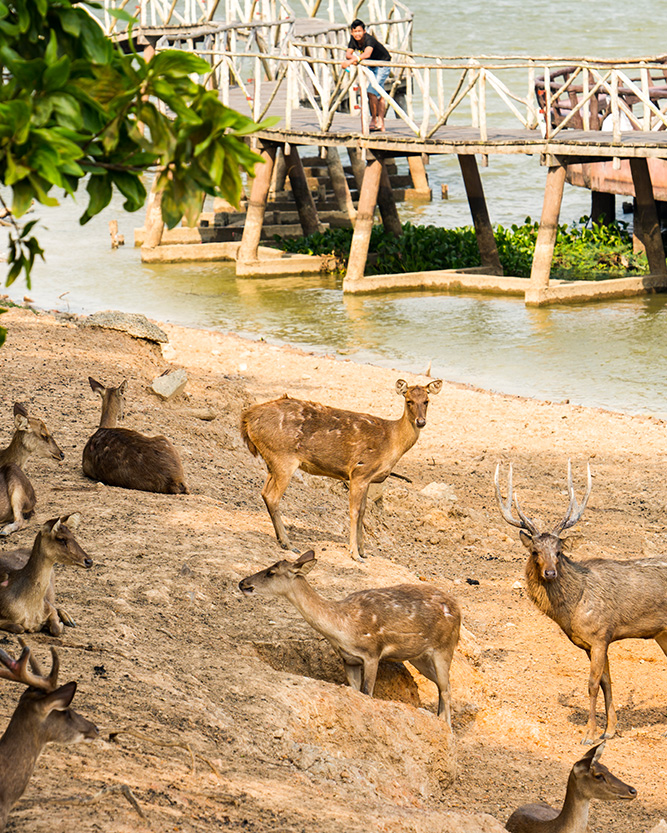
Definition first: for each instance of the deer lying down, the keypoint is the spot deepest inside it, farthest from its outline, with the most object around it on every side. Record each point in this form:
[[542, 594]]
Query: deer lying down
[[17, 497], [291, 434], [595, 602], [42, 716], [410, 622], [588, 779], [126, 458], [27, 591]]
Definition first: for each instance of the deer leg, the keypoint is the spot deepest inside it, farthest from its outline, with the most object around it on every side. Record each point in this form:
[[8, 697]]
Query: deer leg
[[610, 711], [370, 675], [53, 620], [354, 674], [16, 500], [11, 627], [274, 488], [598, 657], [358, 495], [661, 639]]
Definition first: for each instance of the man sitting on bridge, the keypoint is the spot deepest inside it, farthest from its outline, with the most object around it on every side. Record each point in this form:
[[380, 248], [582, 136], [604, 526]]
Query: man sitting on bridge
[[371, 49]]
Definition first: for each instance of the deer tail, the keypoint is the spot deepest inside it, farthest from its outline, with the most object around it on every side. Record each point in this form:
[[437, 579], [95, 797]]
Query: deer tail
[[252, 448]]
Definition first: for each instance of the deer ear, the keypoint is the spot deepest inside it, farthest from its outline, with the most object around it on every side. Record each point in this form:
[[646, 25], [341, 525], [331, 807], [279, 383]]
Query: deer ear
[[401, 387], [591, 757], [526, 539], [72, 520], [59, 699], [96, 386], [305, 562], [571, 542], [21, 422], [122, 387], [20, 408], [434, 387], [52, 530]]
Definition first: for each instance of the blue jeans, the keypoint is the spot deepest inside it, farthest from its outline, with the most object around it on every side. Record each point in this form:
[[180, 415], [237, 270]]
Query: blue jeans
[[376, 83]]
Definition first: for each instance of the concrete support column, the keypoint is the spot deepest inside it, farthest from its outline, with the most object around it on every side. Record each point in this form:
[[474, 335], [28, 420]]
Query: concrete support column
[[364, 226], [419, 177], [603, 207], [310, 222], [647, 227], [486, 241], [259, 192], [339, 184], [546, 236]]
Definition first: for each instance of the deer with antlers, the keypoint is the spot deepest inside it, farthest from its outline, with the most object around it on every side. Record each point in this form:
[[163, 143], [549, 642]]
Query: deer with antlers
[[42, 716], [17, 496], [595, 602]]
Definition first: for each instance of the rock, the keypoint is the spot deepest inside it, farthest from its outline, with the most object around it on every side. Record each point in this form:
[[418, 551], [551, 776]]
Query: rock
[[170, 383], [205, 414], [440, 491], [661, 827], [131, 323]]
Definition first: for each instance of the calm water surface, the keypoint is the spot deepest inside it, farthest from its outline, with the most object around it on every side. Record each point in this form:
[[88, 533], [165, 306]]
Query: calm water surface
[[612, 355]]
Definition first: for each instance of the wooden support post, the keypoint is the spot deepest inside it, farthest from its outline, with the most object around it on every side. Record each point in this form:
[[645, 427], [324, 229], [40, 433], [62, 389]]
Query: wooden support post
[[420, 184], [603, 207], [279, 172], [310, 222], [339, 184], [647, 227], [546, 236], [252, 230], [486, 241], [358, 165], [153, 224], [387, 204], [364, 226]]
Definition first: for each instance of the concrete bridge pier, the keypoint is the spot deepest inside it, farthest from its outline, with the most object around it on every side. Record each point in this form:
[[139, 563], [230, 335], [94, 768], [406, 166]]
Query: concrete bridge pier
[[486, 241], [252, 231]]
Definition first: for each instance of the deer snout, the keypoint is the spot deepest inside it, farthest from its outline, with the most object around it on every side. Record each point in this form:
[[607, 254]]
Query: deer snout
[[420, 422], [246, 587], [632, 793], [550, 575], [57, 454], [87, 562]]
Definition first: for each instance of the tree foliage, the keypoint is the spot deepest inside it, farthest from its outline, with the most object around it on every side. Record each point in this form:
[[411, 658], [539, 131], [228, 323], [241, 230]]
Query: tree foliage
[[75, 111]]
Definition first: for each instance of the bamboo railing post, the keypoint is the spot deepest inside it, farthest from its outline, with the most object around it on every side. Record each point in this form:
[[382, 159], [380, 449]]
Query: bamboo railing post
[[646, 125], [486, 242], [252, 231], [339, 184], [647, 225], [310, 222], [364, 226], [546, 236], [547, 101]]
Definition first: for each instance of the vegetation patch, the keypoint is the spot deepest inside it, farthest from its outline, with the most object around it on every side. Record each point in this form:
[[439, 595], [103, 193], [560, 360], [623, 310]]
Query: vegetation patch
[[584, 250]]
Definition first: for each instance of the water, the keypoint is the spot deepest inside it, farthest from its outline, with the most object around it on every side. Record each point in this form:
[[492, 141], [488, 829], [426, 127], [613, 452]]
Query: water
[[607, 354]]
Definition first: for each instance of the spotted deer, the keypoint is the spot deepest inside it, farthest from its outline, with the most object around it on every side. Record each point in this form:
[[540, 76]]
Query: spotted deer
[[413, 622], [588, 779], [595, 602], [126, 458], [42, 716], [17, 496], [361, 449], [27, 586]]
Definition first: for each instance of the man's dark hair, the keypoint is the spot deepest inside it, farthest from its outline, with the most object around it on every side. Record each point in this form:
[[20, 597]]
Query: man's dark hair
[[356, 23]]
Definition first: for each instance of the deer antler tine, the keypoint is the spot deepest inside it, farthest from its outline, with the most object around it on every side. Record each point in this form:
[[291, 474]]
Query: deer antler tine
[[526, 522], [506, 507], [575, 510], [34, 665], [55, 668]]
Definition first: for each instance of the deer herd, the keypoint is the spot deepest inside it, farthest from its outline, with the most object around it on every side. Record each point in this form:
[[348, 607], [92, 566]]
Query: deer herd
[[595, 602]]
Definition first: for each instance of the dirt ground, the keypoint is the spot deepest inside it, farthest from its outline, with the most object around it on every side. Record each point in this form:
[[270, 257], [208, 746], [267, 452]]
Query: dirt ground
[[240, 716]]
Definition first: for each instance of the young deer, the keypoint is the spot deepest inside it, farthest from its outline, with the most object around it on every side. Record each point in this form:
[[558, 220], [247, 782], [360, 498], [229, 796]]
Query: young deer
[[595, 602], [126, 458], [27, 592], [361, 449], [406, 622], [588, 779], [17, 497], [42, 716]]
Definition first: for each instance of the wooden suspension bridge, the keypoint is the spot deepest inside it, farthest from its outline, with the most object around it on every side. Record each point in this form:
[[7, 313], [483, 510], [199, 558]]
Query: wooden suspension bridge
[[569, 112]]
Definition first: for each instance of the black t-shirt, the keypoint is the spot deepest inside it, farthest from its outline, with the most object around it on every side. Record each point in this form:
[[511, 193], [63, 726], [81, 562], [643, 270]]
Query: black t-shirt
[[379, 52]]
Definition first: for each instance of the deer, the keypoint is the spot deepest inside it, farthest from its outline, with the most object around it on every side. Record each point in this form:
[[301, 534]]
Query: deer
[[596, 601], [126, 458], [360, 449], [411, 622], [27, 586], [588, 779], [17, 496], [42, 716]]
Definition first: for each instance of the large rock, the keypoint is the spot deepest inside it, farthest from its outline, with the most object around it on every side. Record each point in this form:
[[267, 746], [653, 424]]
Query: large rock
[[170, 383], [131, 323]]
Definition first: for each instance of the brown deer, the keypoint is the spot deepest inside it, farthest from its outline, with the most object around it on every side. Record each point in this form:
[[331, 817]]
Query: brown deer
[[410, 622], [126, 458], [588, 779], [27, 593], [42, 716], [360, 449], [17, 497], [595, 602]]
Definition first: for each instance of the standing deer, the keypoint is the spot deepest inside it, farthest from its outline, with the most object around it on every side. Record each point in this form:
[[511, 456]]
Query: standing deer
[[595, 602], [126, 458], [42, 716], [17, 497], [588, 779], [27, 592], [406, 622], [360, 449]]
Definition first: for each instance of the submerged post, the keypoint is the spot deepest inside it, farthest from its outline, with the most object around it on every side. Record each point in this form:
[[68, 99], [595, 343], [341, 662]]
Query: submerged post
[[486, 242], [387, 204], [647, 226], [546, 236], [252, 231], [364, 226]]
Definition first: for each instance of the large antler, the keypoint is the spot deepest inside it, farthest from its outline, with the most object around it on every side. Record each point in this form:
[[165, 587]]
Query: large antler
[[522, 522], [17, 670], [574, 510]]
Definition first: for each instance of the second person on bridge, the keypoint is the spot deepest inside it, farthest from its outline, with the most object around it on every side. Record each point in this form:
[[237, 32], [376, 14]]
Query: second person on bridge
[[371, 49]]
